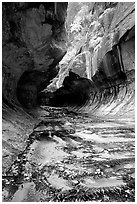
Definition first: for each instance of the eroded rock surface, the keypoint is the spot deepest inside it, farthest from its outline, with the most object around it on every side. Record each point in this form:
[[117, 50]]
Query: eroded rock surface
[[74, 92], [16, 127], [110, 41], [34, 38], [83, 153], [93, 162]]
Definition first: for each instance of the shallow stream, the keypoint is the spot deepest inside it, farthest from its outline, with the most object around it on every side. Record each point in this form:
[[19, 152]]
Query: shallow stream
[[73, 157]]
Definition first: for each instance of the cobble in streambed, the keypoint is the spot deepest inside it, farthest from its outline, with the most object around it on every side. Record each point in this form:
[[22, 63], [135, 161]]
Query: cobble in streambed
[[94, 162]]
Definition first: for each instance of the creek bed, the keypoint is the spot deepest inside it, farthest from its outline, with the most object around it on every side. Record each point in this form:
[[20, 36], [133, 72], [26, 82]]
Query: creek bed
[[71, 157]]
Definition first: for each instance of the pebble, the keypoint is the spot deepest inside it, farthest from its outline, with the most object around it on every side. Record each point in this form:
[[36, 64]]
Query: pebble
[[61, 169], [75, 182], [106, 198], [5, 194], [98, 171]]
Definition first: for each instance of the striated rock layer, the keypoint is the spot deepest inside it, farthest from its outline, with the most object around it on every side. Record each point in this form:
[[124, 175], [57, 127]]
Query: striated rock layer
[[56, 154], [112, 67], [34, 38]]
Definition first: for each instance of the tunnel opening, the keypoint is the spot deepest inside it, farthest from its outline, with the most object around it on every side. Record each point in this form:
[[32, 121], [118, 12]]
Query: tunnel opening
[[77, 91], [34, 81], [31, 83], [111, 71], [68, 119]]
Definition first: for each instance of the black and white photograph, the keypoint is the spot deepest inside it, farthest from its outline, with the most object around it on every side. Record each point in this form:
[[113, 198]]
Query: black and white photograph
[[68, 101]]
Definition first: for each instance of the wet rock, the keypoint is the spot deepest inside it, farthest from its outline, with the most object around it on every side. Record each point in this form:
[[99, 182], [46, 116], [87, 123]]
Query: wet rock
[[106, 171], [18, 125], [58, 175], [75, 182], [54, 127], [26, 193]]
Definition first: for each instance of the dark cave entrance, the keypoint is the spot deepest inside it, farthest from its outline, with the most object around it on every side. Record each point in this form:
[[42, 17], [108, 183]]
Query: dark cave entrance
[[76, 90]]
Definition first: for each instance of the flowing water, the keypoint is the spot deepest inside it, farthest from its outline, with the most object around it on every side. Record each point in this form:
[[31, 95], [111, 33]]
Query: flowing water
[[85, 154]]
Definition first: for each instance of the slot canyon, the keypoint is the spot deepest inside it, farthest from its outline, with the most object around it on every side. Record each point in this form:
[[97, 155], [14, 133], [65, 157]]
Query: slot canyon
[[68, 101]]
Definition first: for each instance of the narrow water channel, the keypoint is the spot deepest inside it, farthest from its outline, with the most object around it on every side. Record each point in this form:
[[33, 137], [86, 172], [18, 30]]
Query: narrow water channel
[[68, 102], [74, 158]]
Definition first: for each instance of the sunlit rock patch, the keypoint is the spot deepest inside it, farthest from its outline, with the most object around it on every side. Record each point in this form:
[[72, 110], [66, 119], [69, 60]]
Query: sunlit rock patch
[[94, 162], [85, 150]]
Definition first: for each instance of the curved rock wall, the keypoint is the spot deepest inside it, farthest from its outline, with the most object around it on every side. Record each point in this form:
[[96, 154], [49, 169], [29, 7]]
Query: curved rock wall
[[116, 35], [34, 42], [34, 38], [112, 88], [28, 65], [113, 65]]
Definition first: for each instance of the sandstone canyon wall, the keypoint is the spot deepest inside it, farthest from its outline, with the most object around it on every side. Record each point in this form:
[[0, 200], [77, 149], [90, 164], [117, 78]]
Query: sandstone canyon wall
[[34, 41], [107, 58]]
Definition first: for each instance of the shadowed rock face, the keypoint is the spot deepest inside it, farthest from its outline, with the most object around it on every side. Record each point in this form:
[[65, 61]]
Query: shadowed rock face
[[75, 153], [112, 58], [75, 91], [34, 38]]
